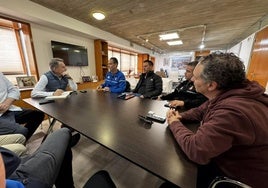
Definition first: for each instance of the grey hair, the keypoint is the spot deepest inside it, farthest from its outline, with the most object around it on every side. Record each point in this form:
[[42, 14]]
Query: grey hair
[[54, 63], [226, 69]]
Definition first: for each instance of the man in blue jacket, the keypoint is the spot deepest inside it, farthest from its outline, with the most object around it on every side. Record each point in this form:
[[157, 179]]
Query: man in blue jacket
[[115, 81]]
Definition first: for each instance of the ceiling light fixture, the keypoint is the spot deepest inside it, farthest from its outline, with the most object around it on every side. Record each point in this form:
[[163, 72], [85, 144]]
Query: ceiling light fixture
[[146, 43], [98, 15], [169, 36], [145, 36], [176, 42], [202, 45]]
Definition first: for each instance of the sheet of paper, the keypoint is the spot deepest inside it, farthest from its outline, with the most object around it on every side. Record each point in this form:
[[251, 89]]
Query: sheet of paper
[[62, 96]]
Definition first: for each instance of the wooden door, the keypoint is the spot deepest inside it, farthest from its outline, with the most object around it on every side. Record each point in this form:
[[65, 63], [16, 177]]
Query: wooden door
[[258, 68], [141, 59]]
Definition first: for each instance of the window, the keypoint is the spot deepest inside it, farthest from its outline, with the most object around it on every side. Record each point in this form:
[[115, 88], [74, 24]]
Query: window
[[16, 51], [10, 60], [127, 60]]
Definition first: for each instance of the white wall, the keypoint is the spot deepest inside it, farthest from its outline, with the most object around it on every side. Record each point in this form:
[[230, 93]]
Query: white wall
[[42, 37]]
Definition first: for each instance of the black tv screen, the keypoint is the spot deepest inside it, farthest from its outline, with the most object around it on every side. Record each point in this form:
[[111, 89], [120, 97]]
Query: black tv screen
[[72, 55]]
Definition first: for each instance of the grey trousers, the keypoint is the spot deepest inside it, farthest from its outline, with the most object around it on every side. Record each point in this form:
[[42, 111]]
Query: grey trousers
[[44, 164]]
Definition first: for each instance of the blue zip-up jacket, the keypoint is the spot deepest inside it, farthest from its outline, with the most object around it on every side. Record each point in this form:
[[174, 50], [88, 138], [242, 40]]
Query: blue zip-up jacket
[[116, 82]]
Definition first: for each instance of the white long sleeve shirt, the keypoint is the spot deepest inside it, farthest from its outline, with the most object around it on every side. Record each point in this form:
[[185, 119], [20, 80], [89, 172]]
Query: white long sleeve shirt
[[40, 88], [8, 90]]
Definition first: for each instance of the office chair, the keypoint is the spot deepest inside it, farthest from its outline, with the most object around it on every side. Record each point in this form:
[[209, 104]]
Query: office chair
[[225, 182], [100, 179], [128, 87]]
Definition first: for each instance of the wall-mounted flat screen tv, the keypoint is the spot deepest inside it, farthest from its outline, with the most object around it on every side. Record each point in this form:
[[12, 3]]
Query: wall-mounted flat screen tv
[[72, 55]]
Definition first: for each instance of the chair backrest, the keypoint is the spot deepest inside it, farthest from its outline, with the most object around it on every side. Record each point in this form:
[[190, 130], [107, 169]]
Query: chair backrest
[[132, 81], [100, 179], [128, 89], [167, 85], [227, 183]]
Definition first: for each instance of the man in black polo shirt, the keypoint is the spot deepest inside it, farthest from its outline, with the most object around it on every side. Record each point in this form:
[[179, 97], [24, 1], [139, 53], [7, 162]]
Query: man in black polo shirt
[[185, 94]]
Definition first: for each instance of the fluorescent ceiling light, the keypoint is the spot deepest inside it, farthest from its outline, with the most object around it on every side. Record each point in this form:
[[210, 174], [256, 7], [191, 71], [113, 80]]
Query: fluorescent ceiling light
[[169, 36], [98, 15], [176, 42]]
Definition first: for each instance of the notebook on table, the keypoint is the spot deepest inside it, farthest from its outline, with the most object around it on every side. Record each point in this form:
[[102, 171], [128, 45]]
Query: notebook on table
[[62, 96]]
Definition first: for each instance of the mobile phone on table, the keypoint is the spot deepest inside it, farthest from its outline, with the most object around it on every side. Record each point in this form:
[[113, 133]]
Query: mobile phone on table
[[45, 101]]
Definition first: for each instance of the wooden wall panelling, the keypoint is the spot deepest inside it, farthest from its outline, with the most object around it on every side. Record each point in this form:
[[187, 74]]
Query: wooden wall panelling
[[101, 58], [88, 85], [258, 67], [199, 54], [23, 95], [141, 58]]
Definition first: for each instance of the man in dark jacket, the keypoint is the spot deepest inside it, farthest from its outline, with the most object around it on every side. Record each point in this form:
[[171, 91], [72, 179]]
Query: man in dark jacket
[[150, 84], [185, 94]]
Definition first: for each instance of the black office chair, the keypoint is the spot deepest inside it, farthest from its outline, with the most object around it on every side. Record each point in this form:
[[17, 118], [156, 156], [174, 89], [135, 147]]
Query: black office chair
[[221, 181], [128, 88], [100, 179]]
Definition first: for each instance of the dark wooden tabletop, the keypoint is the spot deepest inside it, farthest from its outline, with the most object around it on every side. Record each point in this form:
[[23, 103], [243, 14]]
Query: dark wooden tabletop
[[114, 124]]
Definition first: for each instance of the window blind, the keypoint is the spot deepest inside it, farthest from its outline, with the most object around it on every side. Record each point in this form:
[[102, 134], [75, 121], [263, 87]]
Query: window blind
[[10, 60]]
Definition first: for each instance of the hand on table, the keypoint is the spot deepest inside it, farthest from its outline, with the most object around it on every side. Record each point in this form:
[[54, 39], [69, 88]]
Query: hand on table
[[58, 92], [173, 115], [106, 89], [176, 103]]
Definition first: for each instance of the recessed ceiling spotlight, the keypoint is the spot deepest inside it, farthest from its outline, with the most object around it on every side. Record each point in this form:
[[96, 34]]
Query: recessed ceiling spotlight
[[98, 15], [202, 46]]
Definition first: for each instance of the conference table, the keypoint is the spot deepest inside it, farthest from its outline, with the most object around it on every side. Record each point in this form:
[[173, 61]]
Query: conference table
[[114, 124]]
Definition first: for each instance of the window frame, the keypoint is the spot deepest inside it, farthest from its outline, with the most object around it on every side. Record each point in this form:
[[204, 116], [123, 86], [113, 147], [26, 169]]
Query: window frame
[[25, 28], [112, 49]]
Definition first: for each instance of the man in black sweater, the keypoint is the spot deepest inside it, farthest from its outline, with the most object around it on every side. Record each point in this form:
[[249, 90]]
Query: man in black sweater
[[185, 94]]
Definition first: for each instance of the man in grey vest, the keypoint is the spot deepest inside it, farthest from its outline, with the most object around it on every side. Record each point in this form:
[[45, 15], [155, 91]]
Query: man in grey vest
[[55, 81]]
